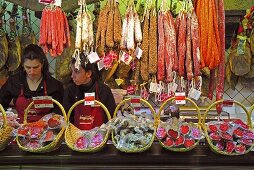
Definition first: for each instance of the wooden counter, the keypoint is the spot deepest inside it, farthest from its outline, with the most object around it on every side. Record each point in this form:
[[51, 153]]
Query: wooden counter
[[110, 158]]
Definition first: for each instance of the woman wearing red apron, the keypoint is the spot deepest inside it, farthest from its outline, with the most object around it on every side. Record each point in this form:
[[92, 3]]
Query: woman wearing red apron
[[85, 80], [33, 79]]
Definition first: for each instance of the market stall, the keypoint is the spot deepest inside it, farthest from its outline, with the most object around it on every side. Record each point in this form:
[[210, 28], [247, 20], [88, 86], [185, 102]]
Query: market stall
[[173, 67]]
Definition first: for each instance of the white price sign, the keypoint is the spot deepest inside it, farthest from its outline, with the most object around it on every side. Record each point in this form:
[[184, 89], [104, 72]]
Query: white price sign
[[43, 102], [89, 98], [180, 98]]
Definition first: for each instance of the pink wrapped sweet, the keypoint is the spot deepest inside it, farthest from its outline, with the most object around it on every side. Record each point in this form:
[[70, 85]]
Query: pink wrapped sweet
[[224, 127], [215, 136], [189, 143], [241, 149], [248, 135], [81, 143], [169, 142], [161, 133], [238, 133], [247, 142], [34, 144], [97, 140], [173, 134], [185, 129], [179, 141], [230, 146], [195, 133], [242, 125], [212, 128], [220, 145], [226, 136]]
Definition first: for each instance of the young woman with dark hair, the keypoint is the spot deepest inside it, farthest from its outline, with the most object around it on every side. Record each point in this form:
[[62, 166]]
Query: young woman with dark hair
[[33, 79], [86, 80]]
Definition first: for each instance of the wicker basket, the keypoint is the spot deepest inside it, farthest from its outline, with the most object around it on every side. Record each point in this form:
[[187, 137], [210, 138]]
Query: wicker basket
[[155, 126], [72, 133], [214, 148], [179, 149], [55, 144], [5, 132]]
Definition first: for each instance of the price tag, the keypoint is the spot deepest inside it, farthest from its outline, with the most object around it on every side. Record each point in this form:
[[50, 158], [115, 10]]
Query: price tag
[[194, 94], [153, 87], [43, 102], [58, 3], [131, 90], [100, 64], [89, 99], [126, 58], [172, 87], [180, 98], [138, 53], [93, 57], [159, 88], [228, 103], [135, 101]]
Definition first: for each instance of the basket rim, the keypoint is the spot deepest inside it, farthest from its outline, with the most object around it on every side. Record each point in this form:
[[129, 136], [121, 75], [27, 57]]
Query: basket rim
[[155, 124], [204, 126], [94, 149], [5, 123], [50, 146], [69, 123], [199, 125]]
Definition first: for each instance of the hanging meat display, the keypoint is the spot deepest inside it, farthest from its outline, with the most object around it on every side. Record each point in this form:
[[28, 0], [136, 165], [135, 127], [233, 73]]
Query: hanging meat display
[[14, 53], [3, 40], [54, 31], [27, 36]]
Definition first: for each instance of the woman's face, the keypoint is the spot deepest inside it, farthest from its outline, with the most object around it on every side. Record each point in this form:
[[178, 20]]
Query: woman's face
[[33, 68], [80, 76]]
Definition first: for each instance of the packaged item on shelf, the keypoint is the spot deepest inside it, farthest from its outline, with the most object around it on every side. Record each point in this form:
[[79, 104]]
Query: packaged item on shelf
[[175, 134], [89, 140], [132, 133], [229, 137], [44, 135]]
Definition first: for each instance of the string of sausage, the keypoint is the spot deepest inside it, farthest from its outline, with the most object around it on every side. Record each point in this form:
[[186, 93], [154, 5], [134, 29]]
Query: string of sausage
[[161, 47], [145, 46], [221, 71], [182, 43], [188, 62], [195, 43], [170, 45], [152, 66]]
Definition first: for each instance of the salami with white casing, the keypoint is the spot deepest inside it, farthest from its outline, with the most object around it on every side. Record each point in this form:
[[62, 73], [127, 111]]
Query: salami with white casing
[[78, 41], [85, 30], [130, 31], [124, 34], [137, 28]]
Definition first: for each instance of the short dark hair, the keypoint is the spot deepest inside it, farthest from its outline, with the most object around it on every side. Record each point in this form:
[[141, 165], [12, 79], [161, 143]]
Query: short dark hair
[[87, 66], [32, 52]]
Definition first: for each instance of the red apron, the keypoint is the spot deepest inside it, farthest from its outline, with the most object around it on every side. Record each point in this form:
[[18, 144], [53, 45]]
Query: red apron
[[88, 117], [34, 114]]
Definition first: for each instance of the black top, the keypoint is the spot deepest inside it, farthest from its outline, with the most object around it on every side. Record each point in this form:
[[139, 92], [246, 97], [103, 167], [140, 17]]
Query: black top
[[75, 93], [12, 88]]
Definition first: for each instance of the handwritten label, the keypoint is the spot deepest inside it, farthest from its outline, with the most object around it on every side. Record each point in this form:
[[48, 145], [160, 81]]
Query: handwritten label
[[194, 94], [138, 53]]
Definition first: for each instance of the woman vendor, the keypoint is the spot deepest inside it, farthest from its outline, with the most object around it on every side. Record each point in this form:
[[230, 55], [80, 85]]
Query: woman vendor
[[33, 79], [86, 80]]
